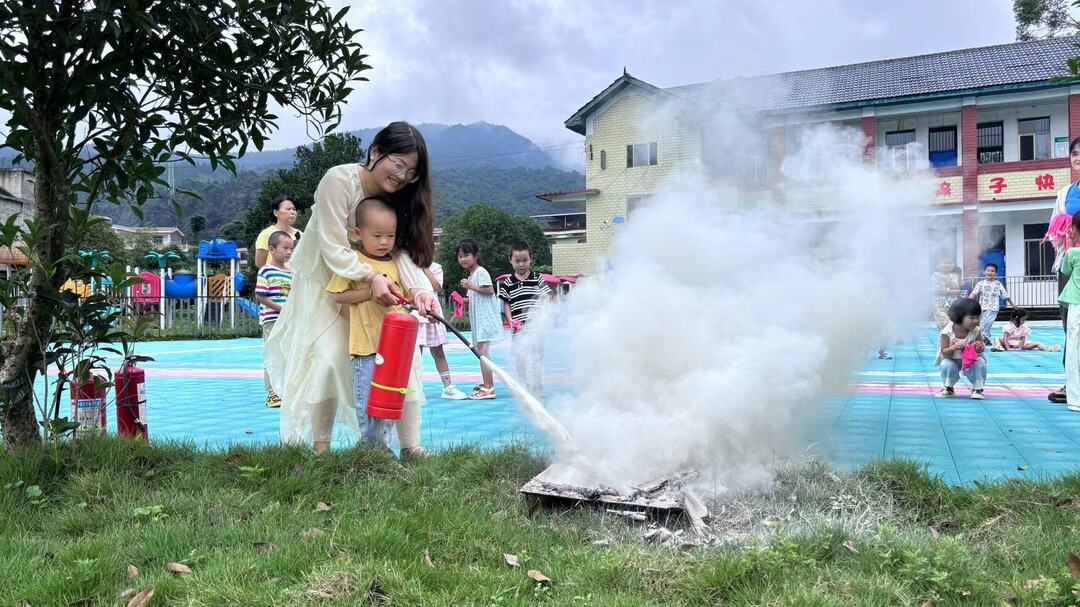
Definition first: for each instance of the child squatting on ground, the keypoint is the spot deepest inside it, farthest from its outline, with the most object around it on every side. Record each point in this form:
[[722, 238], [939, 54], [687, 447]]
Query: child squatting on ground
[[1014, 336], [271, 290], [989, 292], [1070, 297], [483, 311], [961, 349], [522, 293], [376, 230]]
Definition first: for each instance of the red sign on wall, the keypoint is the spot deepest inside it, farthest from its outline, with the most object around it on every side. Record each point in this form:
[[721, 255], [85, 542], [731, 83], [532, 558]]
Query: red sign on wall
[[1044, 182]]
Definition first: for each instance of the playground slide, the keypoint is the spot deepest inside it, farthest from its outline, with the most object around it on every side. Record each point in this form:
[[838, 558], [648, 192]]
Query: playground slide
[[248, 306]]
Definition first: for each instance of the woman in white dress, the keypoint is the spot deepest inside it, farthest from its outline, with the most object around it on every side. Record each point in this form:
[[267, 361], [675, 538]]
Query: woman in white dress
[[307, 355]]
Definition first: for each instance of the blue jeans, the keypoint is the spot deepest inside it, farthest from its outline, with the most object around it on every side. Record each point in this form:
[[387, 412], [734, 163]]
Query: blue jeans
[[976, 374], [373, 430]]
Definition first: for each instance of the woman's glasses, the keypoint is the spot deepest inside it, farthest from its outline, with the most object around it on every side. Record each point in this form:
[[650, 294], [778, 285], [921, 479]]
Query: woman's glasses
[[399, 170]]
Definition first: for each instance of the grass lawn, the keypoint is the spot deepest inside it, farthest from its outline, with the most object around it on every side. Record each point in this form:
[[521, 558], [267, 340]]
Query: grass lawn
[[281, 526]]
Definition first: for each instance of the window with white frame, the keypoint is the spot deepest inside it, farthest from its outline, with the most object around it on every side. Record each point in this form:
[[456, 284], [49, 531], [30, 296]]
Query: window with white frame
[[1038, 254], [636, 203], [640, 154], [1034, 138], [896, 149]]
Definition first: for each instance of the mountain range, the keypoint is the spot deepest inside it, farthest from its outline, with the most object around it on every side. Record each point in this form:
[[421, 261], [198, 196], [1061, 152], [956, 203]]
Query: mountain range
[[473, 163]]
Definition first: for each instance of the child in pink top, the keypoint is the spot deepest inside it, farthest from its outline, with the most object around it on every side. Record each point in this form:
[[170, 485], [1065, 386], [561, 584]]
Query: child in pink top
[[1015, 335]]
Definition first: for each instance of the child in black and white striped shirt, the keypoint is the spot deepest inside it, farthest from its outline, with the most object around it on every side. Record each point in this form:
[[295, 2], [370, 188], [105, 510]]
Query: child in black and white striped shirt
[[521, 293]]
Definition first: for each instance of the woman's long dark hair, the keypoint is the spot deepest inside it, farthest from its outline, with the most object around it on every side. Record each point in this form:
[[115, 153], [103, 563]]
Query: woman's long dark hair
[[414, 204]]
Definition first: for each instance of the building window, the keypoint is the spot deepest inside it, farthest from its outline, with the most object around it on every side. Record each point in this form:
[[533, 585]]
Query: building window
[[640, 154], [1038, 255], [590, 152], [603, 160], [636, 203], [991, 142], [943, 146], [1034, 138], [159, 240], [896, 149]]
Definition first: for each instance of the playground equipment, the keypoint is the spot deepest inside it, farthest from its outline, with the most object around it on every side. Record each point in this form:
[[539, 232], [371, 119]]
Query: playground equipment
[[162, 260], [215, 291], [212, 297]]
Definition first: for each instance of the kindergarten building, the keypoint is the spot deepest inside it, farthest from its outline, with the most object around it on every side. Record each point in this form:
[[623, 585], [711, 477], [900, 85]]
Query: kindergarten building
[[992, 124]]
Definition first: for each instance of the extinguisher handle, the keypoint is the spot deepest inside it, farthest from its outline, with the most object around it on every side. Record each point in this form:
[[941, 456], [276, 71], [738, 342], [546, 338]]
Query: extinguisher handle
[[442, 320]]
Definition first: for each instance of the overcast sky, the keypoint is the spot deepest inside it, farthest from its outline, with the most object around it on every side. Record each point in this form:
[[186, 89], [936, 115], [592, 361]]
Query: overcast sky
[[529, 64]]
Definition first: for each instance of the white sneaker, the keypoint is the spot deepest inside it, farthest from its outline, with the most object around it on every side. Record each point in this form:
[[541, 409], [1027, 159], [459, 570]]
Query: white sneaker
[[946, 393], [977, 394], [451, 392], [1074, 408]]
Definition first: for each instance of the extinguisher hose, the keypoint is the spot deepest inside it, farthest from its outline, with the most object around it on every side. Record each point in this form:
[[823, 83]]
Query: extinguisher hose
[[405, 303]]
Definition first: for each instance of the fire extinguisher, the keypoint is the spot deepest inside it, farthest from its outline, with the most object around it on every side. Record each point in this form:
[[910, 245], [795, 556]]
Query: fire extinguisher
[[88, 399], [131, 401], [393, 363]]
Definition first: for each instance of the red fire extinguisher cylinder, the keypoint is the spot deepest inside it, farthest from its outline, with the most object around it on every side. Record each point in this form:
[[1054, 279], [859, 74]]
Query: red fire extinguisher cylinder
[[88, 404], [131, 402], [393, 364]]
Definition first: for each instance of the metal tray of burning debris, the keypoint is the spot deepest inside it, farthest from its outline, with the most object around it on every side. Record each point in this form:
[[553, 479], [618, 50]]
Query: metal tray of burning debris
[[662, 498]]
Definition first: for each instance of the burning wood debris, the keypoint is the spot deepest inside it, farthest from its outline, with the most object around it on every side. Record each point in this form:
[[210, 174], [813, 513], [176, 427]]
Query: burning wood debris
[[663, 500]]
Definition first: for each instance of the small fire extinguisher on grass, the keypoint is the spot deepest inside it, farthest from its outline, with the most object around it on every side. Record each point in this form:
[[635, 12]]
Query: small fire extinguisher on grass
[[88, 397], [131, 401]]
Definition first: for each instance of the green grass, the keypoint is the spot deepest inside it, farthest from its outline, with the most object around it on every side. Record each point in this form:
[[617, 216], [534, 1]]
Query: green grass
[[111, 503]]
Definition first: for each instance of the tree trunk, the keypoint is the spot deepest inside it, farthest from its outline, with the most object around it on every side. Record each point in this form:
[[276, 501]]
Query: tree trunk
[[24, 357]]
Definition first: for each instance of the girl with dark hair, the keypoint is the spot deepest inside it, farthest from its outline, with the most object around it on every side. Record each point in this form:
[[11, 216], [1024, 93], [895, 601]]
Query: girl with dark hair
[[961, 334], [484, 314], [1065, 208], [1069, 299], [283, 214], [1014, 337], [307, 356]]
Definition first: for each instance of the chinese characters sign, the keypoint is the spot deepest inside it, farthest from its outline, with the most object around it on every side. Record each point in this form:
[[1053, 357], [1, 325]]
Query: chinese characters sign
[[1022, 185]]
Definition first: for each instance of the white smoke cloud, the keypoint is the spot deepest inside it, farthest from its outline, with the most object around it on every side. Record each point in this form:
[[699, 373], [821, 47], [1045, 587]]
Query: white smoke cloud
[[722, 323]]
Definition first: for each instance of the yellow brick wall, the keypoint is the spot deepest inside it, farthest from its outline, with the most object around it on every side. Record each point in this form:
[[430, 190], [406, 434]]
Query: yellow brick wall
[[1021, 184], [949, 189], [571, 259], [632, 119]]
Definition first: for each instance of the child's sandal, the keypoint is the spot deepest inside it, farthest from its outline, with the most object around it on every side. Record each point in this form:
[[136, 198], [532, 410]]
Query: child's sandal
[[417, 452], [482, 393]]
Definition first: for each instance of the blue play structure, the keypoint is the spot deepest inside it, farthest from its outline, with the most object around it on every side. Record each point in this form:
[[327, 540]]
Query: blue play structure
[[220, 251]]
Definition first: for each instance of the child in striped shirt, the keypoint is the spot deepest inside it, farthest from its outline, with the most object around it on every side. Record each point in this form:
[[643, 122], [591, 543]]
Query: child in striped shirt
[[271, 290], [521, 293]]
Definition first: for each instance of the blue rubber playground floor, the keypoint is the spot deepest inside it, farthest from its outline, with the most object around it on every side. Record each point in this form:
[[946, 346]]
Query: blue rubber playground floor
[[210, 393]]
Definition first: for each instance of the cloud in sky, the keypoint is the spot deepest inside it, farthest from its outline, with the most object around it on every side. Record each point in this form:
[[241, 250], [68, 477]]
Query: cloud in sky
[[529, 64]]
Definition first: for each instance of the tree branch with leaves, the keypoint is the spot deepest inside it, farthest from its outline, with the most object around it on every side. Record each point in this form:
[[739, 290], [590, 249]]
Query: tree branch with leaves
[[103, 93]]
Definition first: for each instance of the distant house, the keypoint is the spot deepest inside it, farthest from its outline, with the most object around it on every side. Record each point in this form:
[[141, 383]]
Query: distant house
[[16, 199], [161, 236]]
